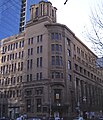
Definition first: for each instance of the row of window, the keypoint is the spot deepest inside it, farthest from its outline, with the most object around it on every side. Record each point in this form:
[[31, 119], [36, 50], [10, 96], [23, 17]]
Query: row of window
[[55, 36], [39, 76], [85, 55], [12, 67], [56, 47], [13, 46], [38, 91], [57, 60], [39, 38], [56, 74], [12, 56], [10, 81], [94, 69], [87, 73], [10, 94]]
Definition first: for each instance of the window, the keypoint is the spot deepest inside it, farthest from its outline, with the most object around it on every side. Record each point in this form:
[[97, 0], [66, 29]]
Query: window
[[57, 47], [37, 38], [57, 60], [36, 13], [52, 36], [30, 77], [29, 41], [16, 45], [27, 64], [31, 63], [31, 51], [38, 49], [52, 47], [32, 40], [27, 78], [40, 75], [68, 41], [69, 52], [69, 64], [28, 52], [28, 105], [41, 38], [56, 36], [57, 74], [37, 62], [39, 103], [40, 61], [69, 77], [41, 49], [21, 66], [37, 76], [53, 60]]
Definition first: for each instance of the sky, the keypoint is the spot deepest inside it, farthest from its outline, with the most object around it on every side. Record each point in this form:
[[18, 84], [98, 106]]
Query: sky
[[75, 15]]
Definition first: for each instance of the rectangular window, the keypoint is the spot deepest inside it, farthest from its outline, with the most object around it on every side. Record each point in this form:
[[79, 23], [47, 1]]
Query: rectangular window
[[56, 36], [31, 63], [41, 49], [57, 60], [61, 61], [27, 64], [37, 76], [28, 106], [30, 77], [37, 38], [27, 78], [69, 77], [38, 49], [21, 66], [53, 60], [40, 75], [40, 61], [23, 43], [37, 62], [41, 37], [69, 52], [69, 64], [31, 51], [36, 13], [39, 103], [28, 52], [29, 41], [52, 47], [22, 54], [52, 36], [16, 45], [57, 47], [32, 40]]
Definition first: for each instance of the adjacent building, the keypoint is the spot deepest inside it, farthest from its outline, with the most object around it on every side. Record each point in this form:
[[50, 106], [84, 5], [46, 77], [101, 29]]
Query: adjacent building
[[47, 71]]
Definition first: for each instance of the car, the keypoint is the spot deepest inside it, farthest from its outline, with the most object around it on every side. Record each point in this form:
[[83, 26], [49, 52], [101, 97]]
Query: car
[[101, 118], [78, 118]]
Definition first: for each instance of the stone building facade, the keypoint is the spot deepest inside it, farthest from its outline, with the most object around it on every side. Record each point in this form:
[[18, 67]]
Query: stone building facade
[[47, 71]]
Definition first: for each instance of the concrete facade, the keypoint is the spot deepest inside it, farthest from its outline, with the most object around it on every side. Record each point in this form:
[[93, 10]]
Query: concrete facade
[[47, 71]]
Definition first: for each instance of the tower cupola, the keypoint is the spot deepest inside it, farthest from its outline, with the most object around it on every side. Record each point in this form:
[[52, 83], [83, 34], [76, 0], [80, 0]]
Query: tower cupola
[[43, 9]]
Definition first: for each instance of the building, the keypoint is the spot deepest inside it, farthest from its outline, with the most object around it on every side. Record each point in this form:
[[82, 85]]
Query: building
[[47, 71]]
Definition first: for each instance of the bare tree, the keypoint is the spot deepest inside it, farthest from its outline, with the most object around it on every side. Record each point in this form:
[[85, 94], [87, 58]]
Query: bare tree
[[95, 34]]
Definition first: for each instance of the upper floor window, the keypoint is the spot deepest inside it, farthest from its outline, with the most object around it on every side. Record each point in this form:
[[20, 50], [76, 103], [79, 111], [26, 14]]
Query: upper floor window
[[36, 12], [68, 41], [56, 36]]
